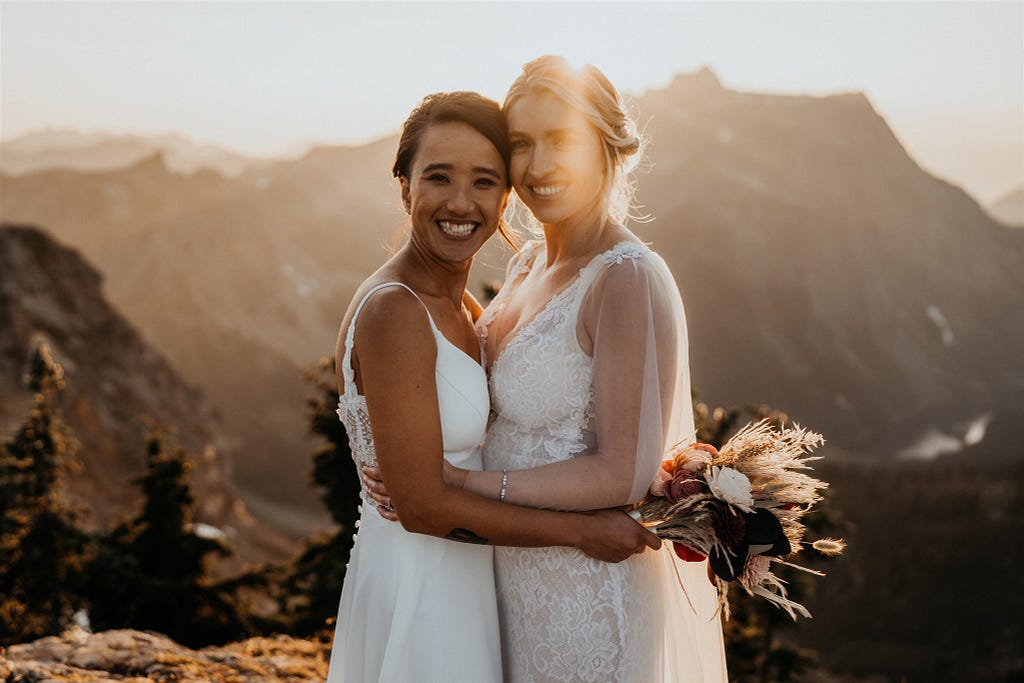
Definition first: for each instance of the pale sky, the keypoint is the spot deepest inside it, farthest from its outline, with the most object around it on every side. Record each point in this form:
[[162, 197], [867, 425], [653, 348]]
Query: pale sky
[[272, 78]]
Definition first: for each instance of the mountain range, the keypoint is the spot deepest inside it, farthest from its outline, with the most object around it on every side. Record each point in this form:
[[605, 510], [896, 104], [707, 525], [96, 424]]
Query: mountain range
[[824, 272], [1009, 209], [74, 150], [116, 386]]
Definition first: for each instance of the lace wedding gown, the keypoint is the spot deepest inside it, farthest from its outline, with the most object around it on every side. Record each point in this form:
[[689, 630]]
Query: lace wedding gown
[[564, 616], [415, 607]]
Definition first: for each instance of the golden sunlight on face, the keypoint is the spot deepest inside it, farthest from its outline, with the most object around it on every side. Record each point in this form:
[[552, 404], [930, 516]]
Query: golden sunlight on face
[[558, 159], [456, 192]]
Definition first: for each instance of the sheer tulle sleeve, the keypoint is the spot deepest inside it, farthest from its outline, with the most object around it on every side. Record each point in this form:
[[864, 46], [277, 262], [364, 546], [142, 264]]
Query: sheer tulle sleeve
[[641, 369], [643, 406], [629, 319]]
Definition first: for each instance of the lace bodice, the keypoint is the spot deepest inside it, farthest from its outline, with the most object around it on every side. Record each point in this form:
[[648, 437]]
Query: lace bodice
[[565, 617], [462, 399], [541, 381]]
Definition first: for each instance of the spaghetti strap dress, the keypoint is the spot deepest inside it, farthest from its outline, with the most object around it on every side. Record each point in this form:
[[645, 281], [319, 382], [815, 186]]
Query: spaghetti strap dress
[[415, 607]]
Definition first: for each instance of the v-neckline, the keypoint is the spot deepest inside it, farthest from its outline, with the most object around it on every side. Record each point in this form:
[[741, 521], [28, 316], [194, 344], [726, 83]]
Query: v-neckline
[[518, 330], [474, 361], [438, 333]]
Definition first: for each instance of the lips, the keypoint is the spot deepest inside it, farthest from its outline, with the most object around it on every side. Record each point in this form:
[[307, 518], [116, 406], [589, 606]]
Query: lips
[[457, 229]]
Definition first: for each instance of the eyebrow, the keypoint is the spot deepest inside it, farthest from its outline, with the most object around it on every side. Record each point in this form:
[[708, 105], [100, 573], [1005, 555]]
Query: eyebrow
[[547, 133], [447, 167]]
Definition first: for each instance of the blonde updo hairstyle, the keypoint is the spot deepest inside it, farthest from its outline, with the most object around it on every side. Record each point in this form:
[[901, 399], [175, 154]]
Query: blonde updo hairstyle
[[589, 92]]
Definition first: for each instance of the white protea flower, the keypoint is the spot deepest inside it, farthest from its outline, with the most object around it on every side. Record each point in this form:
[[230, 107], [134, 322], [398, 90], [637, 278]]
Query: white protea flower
[[730, 485]]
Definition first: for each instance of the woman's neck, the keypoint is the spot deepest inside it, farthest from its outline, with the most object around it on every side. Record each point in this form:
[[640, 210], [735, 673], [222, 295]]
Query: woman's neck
[[577, 237], [432, 276]]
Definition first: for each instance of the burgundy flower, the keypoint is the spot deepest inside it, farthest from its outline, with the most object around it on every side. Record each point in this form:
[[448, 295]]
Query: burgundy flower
[[759, 533], [683, 485], [730, 526]]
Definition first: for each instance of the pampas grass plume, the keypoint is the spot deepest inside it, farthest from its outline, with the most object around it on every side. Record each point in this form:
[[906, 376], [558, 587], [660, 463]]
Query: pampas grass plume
[[829, 546]]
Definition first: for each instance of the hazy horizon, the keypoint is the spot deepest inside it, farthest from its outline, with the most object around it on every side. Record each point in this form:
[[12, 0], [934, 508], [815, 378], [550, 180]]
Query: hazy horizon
[[273, 79]]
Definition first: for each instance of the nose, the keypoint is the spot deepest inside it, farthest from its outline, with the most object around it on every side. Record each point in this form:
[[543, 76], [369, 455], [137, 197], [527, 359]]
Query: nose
[[542, 160], [459, 200]]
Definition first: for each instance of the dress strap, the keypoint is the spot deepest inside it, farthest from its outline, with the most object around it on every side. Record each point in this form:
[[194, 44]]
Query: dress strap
[[347, 370]]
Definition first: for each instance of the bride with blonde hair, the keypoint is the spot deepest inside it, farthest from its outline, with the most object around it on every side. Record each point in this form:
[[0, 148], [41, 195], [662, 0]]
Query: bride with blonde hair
[[586, 352]]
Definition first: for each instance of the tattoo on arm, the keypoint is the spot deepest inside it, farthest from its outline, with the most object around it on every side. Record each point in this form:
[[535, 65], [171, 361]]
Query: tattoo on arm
[[465, 536]]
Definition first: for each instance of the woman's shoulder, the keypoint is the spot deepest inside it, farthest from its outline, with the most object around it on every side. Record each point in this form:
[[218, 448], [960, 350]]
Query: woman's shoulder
[[624, 248], [383, 305], [379, 315], [627, 250], [630, 265]]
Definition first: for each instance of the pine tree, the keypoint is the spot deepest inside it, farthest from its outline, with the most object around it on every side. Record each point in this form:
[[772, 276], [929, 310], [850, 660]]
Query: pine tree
[[333, 469], [40, 545], [164, 545], [308, 588], [150, 573]]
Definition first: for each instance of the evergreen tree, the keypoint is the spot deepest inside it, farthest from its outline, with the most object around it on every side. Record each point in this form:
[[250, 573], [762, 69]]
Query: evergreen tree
[[150, 573], [40, 545], [333, 469], [11, 484], [308, 588]]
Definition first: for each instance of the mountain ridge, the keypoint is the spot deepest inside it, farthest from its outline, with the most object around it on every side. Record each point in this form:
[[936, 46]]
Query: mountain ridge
[[810, 247], [69, 149], [115, 385], [1008, 209]]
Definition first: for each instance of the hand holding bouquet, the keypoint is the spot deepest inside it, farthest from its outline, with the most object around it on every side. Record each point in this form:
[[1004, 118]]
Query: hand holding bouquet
[[741, 507]]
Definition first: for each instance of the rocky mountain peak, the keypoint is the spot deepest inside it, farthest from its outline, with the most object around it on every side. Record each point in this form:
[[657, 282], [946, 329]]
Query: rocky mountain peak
[[701, 80], [115, 382]]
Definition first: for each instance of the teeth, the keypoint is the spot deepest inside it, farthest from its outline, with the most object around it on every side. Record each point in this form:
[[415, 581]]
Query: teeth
[[456, 229], [548, 190]]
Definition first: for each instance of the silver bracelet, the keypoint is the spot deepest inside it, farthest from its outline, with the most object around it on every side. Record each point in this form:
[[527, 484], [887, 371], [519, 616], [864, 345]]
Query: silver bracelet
[[504, 485]]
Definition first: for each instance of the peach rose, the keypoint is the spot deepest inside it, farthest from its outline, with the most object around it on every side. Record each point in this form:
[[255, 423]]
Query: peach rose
[[660, 479], [683, 485]]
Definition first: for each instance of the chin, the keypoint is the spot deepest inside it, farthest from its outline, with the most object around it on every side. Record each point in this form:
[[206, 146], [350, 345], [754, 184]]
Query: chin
[[461, 250], [549, 215]]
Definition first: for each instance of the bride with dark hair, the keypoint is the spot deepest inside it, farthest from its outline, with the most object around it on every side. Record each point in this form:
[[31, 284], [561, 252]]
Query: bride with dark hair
[[414, 398]]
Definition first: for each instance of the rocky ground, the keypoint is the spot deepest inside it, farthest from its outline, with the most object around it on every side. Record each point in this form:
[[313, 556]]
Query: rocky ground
[[137, 657], [124, 655]]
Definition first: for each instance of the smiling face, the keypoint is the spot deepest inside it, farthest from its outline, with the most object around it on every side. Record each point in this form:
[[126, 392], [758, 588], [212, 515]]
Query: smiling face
[[558, 159], [455, 192]]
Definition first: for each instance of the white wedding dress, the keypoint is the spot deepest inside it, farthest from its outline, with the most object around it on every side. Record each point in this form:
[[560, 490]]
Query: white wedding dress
[[415, 607], [564, 616]]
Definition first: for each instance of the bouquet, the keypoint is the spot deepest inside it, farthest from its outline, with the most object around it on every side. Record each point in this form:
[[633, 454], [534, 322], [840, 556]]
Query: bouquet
[[741, 507]]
